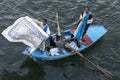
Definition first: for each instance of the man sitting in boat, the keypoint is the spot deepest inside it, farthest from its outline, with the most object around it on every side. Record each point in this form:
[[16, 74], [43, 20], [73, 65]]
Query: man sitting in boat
[[58, 44]]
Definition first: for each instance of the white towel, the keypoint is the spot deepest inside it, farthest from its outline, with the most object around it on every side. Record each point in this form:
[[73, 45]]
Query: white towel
[[54, 51]]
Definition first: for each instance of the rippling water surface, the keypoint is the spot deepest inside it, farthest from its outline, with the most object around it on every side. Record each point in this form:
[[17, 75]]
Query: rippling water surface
[[105, 53]]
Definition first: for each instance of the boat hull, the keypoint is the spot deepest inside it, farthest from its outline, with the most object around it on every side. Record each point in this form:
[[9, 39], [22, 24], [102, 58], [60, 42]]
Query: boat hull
[[94, 33]]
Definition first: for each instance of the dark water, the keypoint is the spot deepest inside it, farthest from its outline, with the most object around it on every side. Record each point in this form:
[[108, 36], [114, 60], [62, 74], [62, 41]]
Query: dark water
[[105, 53]]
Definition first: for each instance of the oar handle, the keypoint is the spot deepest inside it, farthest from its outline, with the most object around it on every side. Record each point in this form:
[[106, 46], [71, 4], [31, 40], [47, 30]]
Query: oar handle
[[58, 26], [97, 67]]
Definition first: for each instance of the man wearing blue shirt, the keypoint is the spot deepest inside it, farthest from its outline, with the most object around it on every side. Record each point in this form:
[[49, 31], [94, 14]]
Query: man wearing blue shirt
[[46, 27]]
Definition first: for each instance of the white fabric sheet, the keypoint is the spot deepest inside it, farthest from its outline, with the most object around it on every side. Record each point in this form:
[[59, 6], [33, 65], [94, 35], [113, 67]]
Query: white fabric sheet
[[25, 30]]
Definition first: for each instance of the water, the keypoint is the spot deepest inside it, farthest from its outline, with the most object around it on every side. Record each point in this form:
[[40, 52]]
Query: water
[[105, 53]]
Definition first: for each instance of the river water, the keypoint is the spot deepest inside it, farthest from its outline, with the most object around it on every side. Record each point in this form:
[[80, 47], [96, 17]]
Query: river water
[[105, 52]]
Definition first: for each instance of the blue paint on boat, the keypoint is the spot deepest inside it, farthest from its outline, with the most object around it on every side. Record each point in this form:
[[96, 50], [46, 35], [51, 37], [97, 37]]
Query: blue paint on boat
[[94, 32]]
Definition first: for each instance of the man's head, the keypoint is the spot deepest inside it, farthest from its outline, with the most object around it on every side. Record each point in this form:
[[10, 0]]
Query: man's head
[[86, 10], [58, 37], [44, 21]]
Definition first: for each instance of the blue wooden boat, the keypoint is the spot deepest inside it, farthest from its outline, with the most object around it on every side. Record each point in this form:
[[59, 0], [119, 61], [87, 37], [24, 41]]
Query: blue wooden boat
[[94, 33]]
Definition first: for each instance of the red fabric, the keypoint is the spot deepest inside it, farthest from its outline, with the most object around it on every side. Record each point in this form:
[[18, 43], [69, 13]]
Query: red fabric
[[87, 39]]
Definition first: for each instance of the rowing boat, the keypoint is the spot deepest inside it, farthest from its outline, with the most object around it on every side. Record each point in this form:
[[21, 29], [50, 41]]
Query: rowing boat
[[94, 33]]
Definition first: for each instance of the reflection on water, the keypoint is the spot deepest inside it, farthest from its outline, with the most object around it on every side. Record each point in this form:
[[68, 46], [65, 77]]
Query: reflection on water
[[29, 70]]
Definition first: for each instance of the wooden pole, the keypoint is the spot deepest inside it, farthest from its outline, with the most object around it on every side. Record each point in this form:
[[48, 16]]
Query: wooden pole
[[58, 26], [97, 67]]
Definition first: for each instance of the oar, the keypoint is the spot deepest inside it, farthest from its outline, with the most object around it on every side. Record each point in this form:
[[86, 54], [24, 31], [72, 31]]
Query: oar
[[97, 67], [58, 26]]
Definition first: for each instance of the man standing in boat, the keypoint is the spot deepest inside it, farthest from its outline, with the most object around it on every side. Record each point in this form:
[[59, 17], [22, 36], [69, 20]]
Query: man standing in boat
[[84, 23], [46, 27], [88, 21], [43, 25]]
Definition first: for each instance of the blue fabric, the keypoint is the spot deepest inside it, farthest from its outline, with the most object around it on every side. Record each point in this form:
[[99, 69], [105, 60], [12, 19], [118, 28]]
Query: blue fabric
[[45, 28], [81, 27]]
